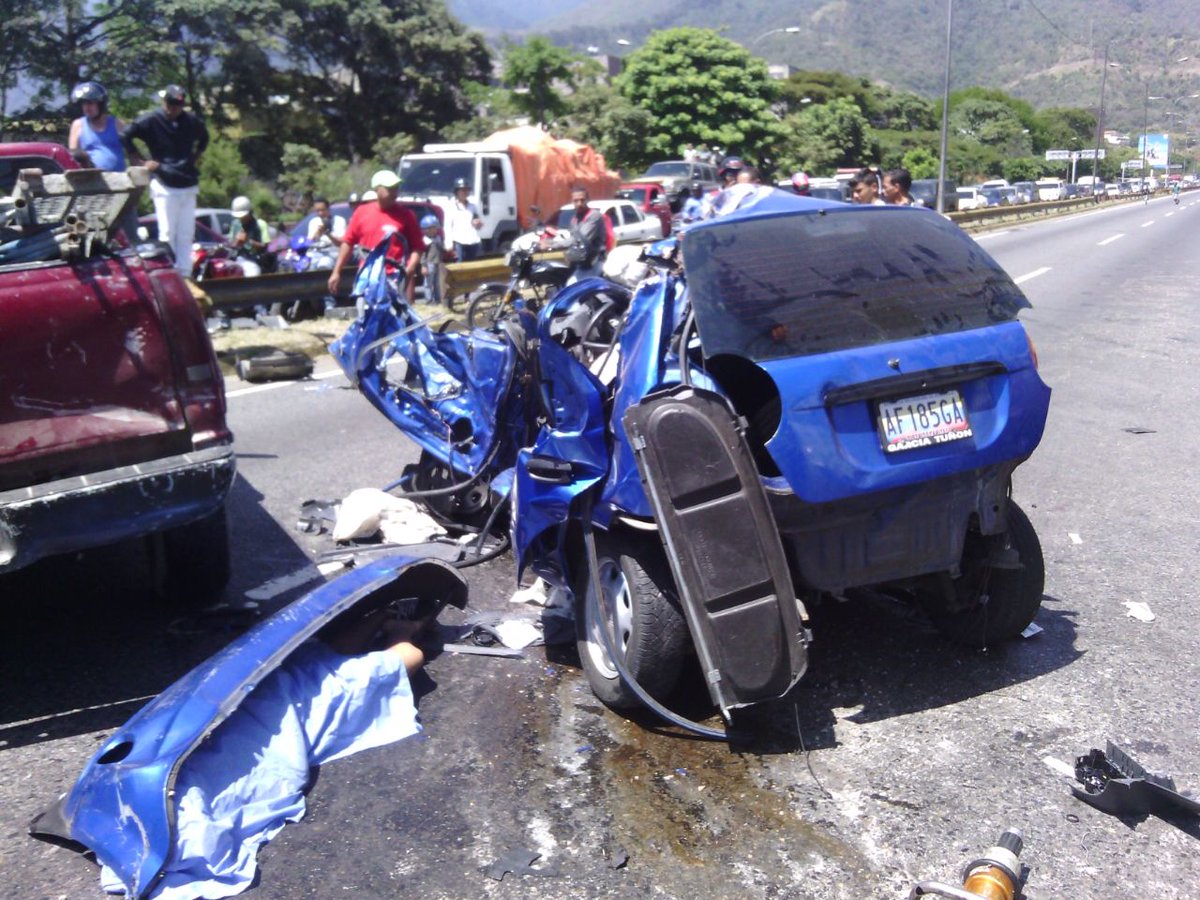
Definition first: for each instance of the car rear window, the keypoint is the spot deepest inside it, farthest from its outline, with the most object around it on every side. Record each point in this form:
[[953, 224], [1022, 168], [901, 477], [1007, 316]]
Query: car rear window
[[814, 283], [11, 166]]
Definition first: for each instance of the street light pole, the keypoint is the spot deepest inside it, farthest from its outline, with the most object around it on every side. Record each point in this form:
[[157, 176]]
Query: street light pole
[[1099, 128], [790, 29], [941, 185]]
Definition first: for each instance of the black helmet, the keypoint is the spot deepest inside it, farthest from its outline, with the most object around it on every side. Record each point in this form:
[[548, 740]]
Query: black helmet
[[731, 165], [460, 183], [89, 90], [697, 187]]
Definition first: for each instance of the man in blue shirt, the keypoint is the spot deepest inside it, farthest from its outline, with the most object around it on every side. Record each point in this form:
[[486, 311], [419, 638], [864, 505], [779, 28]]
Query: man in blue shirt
[[693, 207], [97, 136]]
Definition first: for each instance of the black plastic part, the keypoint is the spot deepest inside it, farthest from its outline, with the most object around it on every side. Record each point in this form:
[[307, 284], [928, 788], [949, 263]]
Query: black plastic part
[[722, 543], [1113, 782]]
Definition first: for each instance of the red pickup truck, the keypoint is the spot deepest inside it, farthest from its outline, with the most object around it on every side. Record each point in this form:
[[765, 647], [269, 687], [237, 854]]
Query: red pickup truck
[[112, 406]]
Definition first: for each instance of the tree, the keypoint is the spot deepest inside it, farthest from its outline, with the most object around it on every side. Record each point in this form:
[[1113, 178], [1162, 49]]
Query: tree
[[991, 123], [822, 138], [601, 117], [700, 88], [819, 87], [373, 68], [19, 22], [921, 163], [537, 67]]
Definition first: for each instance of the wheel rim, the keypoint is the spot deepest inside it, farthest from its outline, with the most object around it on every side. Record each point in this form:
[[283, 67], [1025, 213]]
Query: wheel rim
[[619, 603]]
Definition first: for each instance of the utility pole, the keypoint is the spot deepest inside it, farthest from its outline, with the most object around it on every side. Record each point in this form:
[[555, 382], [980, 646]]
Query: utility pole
[[941, 185]]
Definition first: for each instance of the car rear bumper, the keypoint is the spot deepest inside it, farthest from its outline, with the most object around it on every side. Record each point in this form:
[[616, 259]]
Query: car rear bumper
[[101, 508], [892, 535]]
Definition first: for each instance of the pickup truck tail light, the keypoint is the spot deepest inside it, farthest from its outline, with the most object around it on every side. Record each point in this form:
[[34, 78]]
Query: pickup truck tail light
[[201, 386]]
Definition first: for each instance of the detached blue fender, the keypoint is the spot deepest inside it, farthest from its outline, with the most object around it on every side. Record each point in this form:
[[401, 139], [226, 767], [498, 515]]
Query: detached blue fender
[[123, 805]]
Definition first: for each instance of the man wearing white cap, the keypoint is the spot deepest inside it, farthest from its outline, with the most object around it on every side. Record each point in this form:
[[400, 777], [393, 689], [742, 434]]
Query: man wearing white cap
[[248, 233], [175, 140], [374, 222]]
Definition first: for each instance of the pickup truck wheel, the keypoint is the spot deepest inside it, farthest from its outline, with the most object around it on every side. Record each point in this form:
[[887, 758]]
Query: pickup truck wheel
[[650, 629], [1007, 597], [191, 562]]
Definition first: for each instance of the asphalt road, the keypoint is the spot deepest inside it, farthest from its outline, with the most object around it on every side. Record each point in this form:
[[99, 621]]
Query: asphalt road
[[899, 757]]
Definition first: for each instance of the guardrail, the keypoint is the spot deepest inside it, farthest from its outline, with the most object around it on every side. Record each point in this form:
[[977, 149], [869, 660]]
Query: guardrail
[[978, 219], [286, 287]]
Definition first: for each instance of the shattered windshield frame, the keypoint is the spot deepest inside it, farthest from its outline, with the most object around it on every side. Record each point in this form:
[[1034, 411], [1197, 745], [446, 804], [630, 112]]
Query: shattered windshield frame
[[801, 284]]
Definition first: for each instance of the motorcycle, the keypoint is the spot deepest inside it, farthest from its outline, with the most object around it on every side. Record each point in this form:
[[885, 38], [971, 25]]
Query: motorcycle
[[805, 410]]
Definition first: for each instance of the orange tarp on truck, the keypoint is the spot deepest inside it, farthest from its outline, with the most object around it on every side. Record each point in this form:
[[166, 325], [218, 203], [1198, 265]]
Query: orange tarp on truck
[[546, 169]]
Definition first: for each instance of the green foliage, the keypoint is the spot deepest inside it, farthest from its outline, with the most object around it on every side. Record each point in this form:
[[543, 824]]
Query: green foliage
[[538, 67], [820, 87], [1063, 129], [1023, 168], [921, 163], [388, 150], [222, 173], [700, 88], [991, 123], [821, 138], [612, 124]]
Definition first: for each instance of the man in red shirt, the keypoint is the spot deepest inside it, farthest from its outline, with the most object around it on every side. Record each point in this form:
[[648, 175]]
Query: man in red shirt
[[372, 222]]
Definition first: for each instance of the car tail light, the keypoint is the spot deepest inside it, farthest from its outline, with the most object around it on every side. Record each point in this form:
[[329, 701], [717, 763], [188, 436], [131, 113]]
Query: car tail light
[[1032, 350], [199, 383]]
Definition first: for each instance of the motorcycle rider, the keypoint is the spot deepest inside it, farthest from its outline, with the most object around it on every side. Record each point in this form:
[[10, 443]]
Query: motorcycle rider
[[249, 234], [693, 207], [1175, 189], [97, 135], [325, 230], [463, 223]]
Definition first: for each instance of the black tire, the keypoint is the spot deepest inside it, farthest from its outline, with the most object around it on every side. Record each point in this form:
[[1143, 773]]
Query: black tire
[[1010, 597], [193, 561], [652, 630], [484, 309]]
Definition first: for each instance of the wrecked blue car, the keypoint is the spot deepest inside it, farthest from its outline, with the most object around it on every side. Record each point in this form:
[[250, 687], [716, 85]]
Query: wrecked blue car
[[800, 399]]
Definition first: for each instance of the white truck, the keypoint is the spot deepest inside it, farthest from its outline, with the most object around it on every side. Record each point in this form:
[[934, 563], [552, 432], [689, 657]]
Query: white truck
[[515, 177]]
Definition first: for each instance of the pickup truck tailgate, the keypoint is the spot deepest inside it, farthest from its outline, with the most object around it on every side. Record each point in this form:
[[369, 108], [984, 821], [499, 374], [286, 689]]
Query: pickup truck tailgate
[[86, 379]]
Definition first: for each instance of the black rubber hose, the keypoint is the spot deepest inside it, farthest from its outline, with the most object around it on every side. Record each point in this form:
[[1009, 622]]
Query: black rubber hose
[[589, 540]]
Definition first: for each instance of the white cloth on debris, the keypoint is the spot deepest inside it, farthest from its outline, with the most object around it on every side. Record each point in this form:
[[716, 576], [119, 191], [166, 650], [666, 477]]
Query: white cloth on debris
[[240, 787], [365, 511]]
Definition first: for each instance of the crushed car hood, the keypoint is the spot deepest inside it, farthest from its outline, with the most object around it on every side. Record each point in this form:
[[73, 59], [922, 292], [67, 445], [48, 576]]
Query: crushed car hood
[[123, 805]]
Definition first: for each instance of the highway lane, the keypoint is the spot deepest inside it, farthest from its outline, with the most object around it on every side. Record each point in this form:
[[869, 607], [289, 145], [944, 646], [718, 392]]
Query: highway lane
[[901, 757]]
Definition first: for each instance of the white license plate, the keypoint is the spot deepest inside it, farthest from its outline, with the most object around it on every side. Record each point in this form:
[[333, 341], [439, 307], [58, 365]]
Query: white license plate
[[924, 421]]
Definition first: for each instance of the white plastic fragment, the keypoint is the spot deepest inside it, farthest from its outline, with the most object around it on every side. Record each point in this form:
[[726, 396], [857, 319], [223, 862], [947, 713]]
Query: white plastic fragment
[[1033, 628], [1075, 539], [535, 593], [516, 634], [366, 511], [1057, 765], [1139, 610]]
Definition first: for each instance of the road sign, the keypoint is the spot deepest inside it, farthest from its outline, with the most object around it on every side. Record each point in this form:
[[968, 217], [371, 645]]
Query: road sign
[[1089, 154], [1057, 155]]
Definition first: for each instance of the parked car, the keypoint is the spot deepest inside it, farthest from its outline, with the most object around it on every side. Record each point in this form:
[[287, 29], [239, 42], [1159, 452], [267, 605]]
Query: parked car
[[628, 222], [651, 198], [112, 425], [677, 176], [1026, 191], [995, 183], [992, 197], [218, 220], [924, 191], [970, 198], [1050, 189]]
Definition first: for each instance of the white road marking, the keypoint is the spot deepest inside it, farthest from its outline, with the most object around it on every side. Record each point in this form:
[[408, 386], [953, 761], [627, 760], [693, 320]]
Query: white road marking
[[1147, 224], [1109, 240], [992, 234], [1168, 215], [1075, 539], [1029, 276]]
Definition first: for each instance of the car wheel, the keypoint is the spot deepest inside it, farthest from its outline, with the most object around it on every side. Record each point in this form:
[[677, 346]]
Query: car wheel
[[192, 561], [992, 603], [485, 309], [650, 630]]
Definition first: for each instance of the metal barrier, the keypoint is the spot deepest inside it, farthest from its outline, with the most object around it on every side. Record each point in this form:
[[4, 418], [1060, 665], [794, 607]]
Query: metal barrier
[[285, 287]]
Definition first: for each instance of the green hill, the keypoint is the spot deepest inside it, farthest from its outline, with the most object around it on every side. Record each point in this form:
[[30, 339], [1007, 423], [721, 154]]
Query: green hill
[[1048, 52]]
